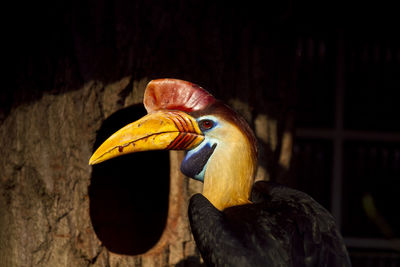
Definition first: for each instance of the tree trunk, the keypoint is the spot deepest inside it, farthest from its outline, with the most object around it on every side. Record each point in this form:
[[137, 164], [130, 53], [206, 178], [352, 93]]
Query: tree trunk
[[45, 216], [77, 66]]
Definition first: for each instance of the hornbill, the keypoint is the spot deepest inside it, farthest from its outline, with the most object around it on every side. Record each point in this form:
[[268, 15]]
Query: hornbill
[[234, 222]]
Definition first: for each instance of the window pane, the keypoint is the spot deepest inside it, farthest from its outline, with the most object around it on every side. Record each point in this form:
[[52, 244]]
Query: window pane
[[372, 87], [371, 189], [311, 169]]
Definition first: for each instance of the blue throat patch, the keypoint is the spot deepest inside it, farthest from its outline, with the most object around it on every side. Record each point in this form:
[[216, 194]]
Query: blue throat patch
[[193, 165]]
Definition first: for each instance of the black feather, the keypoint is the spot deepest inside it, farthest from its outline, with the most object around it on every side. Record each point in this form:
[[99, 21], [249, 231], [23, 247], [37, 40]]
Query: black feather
[[283, 227]]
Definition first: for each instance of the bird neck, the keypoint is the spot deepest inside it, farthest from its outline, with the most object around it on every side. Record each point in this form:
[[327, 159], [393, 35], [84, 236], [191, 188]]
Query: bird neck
[[229, 175]]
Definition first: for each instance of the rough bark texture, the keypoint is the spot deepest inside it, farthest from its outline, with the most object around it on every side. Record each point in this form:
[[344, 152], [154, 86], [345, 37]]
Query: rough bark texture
[[74, 64], [44, 194]]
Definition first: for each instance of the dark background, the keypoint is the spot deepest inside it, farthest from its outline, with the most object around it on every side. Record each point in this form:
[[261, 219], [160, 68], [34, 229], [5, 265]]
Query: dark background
[[283, 58], [106, 40]]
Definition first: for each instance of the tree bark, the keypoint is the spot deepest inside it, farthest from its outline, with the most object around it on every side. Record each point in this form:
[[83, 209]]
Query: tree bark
[[44, 194]]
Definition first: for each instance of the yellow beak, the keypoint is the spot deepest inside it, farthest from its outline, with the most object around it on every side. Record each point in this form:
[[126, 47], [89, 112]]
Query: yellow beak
[[172, 130]]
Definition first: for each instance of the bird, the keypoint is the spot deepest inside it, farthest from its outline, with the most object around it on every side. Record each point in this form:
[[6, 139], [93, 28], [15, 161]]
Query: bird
[[234, 221]]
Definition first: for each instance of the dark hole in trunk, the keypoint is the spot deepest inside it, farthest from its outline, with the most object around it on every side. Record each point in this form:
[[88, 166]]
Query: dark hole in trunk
[[129, 194]]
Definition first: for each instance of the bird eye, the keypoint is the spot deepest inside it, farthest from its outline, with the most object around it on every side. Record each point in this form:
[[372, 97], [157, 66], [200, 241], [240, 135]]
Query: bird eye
[[206, 124]]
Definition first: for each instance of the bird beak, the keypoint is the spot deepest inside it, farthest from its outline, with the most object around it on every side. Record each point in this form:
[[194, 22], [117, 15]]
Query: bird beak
[[171, 130]]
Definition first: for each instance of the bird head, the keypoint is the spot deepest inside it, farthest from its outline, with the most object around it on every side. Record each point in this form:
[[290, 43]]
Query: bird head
[[221, 148]]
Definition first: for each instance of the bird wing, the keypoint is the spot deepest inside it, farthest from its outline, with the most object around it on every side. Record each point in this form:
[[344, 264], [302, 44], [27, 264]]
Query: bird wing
[[314, 237], [217, 238], [283, 227]]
